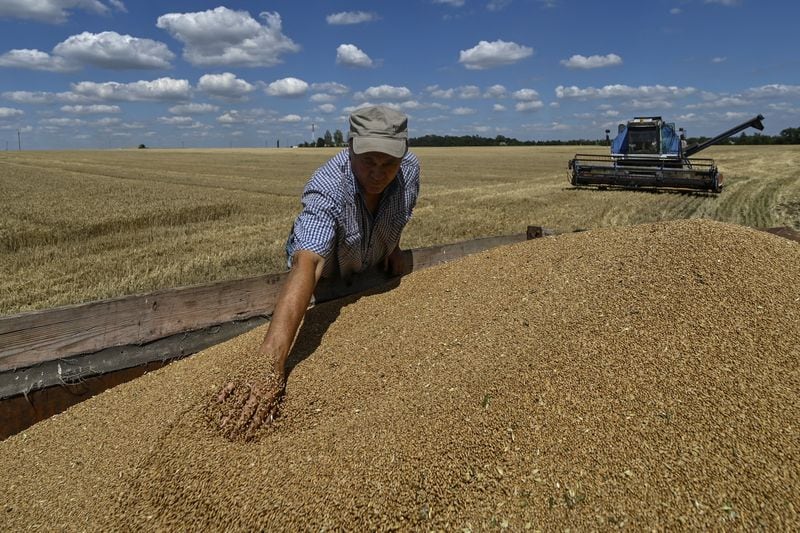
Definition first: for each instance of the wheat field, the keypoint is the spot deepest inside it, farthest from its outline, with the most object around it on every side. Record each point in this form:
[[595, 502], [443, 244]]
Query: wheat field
[[81, 226]]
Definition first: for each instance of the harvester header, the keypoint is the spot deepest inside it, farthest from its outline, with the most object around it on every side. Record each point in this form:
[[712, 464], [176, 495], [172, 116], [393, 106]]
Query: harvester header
[[651, 153]]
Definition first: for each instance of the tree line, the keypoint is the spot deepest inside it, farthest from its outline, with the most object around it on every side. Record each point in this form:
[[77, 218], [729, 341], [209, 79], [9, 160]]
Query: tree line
[[336, 139]]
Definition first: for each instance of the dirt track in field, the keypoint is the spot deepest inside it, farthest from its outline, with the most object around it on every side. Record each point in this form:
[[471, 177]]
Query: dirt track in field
[[645, 377]]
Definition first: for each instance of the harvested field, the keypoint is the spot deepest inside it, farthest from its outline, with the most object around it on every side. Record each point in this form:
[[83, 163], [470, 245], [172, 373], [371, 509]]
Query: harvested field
[[643, 377], [85, 225]]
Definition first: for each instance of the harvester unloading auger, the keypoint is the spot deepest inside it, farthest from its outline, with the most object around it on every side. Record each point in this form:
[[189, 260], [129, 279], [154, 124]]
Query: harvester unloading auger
[[650, 153]]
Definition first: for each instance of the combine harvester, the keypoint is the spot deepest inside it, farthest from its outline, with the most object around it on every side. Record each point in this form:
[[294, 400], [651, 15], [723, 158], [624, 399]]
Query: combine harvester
[[650, 153]]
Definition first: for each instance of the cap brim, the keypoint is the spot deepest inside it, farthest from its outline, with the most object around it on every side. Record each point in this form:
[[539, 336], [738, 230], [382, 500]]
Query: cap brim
[[393, 147]]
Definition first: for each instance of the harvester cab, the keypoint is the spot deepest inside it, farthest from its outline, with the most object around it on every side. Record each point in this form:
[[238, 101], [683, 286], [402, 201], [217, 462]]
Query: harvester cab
[[646, 136], [651, 153]]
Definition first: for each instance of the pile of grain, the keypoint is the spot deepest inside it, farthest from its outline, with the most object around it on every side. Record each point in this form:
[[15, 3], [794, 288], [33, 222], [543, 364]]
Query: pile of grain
[[645, 377]]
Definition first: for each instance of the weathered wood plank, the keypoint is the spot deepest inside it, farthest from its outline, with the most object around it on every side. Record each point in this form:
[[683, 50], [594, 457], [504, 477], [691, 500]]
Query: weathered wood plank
[[39, 336], [21, 412], [785, 232], [73, 370], [434, 255]]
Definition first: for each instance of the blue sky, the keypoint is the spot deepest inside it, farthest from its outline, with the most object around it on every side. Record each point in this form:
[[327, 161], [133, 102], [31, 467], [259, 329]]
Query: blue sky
[[114, 73]]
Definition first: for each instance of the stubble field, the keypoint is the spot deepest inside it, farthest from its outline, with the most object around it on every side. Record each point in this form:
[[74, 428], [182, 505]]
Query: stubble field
[[81, 226]]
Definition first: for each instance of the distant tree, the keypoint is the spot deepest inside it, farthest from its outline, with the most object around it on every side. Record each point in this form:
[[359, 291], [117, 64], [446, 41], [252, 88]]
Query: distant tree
[[142, 147], [338, 138], [790, 136], [328, 138], [320, 142]]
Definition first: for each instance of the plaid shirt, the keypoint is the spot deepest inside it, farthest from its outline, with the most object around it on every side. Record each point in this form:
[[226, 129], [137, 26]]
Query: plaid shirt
[[336, 224]]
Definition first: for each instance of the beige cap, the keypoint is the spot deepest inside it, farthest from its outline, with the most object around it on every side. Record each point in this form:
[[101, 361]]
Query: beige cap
[[379, 129]]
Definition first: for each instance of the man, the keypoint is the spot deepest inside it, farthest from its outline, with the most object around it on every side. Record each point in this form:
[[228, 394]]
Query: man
[[354, 210]]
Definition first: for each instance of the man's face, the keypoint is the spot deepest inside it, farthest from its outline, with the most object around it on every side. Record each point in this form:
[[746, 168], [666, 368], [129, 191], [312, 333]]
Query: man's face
[[374, 170]]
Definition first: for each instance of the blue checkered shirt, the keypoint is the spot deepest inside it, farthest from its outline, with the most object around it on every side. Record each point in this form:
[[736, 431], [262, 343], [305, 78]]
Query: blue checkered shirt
[[336, 224]]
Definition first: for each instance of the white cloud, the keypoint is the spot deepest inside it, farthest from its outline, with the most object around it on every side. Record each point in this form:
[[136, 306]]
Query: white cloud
[[118, 5], [90, 109], [176, 121], [493, 54], [469, 91], [773, 90], [225, 85], [718, 59], [291, 118], [350, 17], [498, 107], [675, 11], [526, 95], [158, 90], [111, 50], [579, 61], [35, 60], [495, 91], [319, 98], [222, 36], [624, 91], [454, 3], [41, 97], [384, 92], [655, 104], [326, 108], [464, 92], [736, 115], [720, 101], [104, 50], [10, 112], [497, 5], [331, 87], [49, 11], [784, 107], [233, 117], [529, 105], [351, 56], [727, 3], [29, 97], [193, 109], [62, 122], [436, 92], [287, 87], [461, 111], [107, 121]]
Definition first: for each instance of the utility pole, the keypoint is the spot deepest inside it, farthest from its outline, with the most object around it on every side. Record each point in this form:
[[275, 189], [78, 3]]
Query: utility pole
[[313, 140], [19, 141]]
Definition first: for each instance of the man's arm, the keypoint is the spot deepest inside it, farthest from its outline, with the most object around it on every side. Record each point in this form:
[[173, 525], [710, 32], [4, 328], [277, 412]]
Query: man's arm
[[245, 407], [293, 300]]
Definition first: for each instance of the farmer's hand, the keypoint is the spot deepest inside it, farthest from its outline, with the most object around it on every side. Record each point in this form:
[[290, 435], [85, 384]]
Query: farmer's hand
[[395, 263], [243, 407]]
